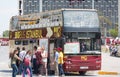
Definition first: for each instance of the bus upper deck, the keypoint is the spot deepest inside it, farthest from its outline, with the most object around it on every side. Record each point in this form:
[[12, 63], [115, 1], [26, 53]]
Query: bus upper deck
[[77, 24], [80, 19]]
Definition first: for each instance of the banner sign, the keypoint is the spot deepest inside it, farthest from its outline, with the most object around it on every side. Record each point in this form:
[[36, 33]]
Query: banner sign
[[49, 32], [72, 48]]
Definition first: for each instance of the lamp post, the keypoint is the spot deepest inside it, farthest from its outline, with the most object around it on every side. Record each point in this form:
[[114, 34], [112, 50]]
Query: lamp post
[[105, 35], [118, 18], [41, 6], [93, 5]]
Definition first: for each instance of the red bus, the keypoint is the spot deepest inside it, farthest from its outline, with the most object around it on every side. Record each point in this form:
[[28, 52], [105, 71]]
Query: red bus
[[77, 31]]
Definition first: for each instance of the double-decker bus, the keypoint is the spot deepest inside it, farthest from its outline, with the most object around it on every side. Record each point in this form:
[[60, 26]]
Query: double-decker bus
[[77, 31]]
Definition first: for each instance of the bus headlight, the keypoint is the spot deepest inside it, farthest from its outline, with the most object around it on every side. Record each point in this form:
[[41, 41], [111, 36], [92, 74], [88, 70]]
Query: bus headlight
[[68, 62]]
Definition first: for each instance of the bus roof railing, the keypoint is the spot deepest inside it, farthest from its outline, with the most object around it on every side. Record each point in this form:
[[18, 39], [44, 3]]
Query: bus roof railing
[[63, 9]]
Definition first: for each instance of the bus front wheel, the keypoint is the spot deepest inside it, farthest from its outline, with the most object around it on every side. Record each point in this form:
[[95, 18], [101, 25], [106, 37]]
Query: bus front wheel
[[82, 72]]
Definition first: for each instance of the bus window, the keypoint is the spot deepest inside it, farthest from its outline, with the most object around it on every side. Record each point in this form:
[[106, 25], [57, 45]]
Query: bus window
[[74, 40], [25, 42], [17, 42], [59, 42], [84, 45], [32, 41], [89, 44], [97, 44]]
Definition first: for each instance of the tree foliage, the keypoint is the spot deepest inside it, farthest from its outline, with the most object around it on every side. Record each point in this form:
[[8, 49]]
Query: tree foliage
[[113, 32], [6, 33]]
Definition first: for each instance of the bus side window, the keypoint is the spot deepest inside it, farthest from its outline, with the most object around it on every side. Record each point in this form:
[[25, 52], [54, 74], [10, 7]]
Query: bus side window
[[17, 42], [25, 42], [32, 41]]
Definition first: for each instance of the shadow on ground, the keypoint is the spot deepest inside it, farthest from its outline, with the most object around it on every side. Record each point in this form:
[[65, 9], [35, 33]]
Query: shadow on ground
[[72, 74], [6, 71]]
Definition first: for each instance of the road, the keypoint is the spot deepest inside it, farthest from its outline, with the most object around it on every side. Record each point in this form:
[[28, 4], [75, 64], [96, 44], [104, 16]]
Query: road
[[109, 64]]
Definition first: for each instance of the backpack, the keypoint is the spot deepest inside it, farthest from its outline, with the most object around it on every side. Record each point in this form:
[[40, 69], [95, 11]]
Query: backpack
[[26, 62]]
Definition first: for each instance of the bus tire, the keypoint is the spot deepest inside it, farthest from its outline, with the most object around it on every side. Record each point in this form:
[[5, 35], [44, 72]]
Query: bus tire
[[82, 72]]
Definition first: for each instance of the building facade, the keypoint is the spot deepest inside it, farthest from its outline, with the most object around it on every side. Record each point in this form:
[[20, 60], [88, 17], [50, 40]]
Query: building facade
[[29, 6], [107, 9]]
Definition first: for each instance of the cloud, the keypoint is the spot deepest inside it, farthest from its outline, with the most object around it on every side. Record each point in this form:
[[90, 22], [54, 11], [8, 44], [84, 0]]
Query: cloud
[[7, 10]]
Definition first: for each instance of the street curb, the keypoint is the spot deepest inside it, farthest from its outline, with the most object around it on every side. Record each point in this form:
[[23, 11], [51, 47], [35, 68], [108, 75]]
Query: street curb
[[107, 73]]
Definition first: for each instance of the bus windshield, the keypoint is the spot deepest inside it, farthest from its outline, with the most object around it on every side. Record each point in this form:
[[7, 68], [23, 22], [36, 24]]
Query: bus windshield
[[83, 19], [82, 45]]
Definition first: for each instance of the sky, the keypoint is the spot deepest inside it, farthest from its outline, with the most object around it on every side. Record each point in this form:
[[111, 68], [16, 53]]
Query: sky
[[8, 8]]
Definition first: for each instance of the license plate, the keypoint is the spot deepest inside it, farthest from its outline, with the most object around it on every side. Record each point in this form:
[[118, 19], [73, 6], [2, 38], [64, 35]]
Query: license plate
[[84, 67]]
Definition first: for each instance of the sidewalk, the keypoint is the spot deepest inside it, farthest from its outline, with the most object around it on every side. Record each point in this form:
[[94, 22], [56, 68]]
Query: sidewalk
[[108, 73], [5, 71], [110, 65]]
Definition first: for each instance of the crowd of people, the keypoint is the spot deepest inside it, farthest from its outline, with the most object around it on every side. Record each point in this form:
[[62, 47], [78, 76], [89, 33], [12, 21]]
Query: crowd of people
[[34, 62], [113, 50]]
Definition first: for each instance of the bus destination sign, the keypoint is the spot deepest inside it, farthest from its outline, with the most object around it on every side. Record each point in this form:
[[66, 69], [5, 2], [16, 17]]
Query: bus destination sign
[[50, 32]]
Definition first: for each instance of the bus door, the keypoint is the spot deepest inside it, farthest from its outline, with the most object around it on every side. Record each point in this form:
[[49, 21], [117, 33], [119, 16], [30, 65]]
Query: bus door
[[51, 67], [53, 43]]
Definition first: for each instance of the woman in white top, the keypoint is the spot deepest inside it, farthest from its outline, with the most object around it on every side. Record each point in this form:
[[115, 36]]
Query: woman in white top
[[44, 59]]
